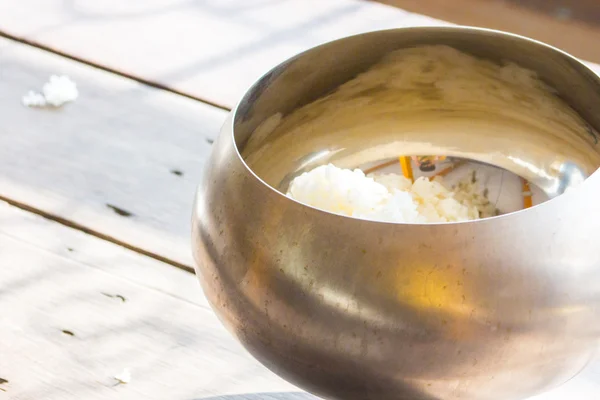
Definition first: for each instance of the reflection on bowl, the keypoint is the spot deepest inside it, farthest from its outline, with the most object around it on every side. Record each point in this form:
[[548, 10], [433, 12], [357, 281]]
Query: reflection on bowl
[[495, 309]]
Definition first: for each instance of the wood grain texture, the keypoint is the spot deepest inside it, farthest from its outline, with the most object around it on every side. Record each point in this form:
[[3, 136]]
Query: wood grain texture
[[214, 49], [123, 160], [65, 332], [587, 11], [211, 49], [520, 17]]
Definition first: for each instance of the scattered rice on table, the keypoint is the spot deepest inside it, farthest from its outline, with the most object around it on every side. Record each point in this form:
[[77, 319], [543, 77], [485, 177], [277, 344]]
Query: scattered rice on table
[[56, 92]]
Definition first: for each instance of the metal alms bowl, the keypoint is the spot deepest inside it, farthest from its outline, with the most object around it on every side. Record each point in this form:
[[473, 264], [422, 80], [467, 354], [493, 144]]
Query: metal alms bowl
[[495, 309]]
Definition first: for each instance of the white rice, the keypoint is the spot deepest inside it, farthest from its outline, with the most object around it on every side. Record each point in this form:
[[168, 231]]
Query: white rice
[[33, 99], [389, 197], [56, 92]]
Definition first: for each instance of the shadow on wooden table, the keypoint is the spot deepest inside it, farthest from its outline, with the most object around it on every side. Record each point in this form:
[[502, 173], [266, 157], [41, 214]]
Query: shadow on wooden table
[[264, 396]]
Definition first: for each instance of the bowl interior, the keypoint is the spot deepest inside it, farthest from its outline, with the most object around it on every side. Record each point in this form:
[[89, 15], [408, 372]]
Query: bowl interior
[[313, 110]]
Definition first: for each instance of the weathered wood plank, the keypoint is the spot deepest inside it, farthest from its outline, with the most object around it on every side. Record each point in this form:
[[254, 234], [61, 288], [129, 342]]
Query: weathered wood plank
[[64, 332], [211, 49], [530, 18], [121, 144], [215, 49]]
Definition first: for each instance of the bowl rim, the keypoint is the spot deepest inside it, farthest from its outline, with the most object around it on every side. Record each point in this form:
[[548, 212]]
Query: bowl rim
[[250, 89]]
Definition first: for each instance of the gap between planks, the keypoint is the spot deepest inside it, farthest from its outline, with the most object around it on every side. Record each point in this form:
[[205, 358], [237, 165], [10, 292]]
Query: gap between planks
[[105, 68], [96, 234], [77, 310], [159, 226]]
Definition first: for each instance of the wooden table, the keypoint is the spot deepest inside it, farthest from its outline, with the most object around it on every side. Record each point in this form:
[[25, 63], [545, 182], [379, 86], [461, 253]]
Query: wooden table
[[95, 263]]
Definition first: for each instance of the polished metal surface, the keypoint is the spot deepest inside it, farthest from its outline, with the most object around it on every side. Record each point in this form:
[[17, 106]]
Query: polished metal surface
[[495, 309]]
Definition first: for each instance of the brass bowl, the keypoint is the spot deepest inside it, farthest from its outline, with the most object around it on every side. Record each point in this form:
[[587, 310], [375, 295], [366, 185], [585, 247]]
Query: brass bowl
[[495, 309]]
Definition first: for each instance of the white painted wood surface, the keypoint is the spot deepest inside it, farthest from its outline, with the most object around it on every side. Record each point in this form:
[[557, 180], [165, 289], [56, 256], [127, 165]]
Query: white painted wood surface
[[211, 49], [119, 144], [55, 279]]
